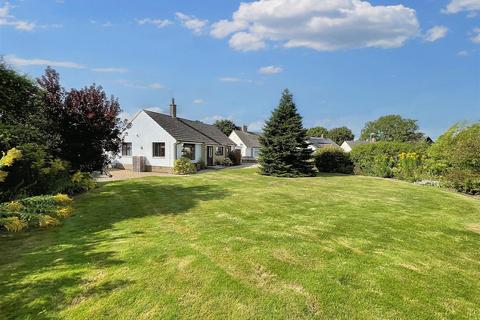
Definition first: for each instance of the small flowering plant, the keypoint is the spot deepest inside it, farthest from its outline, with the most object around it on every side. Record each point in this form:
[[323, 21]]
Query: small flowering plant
[[40, 211], [7, 160]]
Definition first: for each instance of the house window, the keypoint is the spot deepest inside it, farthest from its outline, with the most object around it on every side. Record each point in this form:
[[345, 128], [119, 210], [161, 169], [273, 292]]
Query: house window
[[229, 149], [158, 149], [255, 152], [219, 151], [189, 151], [126, 149]]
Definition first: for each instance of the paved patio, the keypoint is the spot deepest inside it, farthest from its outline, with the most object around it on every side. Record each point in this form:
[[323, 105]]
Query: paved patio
[[119, 174]]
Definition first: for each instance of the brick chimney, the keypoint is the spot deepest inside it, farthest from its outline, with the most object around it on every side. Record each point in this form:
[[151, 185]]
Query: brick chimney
[[244, 128], [173, 109]]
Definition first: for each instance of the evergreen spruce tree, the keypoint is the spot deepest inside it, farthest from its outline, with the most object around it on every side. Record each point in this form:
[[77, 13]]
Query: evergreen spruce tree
[[284, 151]]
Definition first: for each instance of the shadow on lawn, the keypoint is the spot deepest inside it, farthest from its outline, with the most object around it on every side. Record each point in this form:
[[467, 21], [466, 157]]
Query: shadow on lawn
[[44, 271]]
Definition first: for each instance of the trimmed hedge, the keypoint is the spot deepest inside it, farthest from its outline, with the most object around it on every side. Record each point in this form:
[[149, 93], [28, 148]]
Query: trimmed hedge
[[332, 159]]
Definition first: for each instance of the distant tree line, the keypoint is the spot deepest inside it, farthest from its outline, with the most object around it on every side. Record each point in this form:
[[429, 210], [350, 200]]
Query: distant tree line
[[396, 149]]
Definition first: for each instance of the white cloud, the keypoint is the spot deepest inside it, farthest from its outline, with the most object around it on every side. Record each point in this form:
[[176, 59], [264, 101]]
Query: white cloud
[[21, 62], [198, 101], [456, 6], [223, 28], [256, 126], [463, 53], [192, 23], [159, 23], [234, 79], [155, 109], [320, 25], [16, 61], [212, 119], [7, 19], [156, 86], [435, 33], [107, 24], [244, 41], [476, 36], [128, 84], [110, 70], [270, 70]]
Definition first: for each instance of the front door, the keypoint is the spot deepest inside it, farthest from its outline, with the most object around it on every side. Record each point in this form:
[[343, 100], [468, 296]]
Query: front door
[[209, 156]]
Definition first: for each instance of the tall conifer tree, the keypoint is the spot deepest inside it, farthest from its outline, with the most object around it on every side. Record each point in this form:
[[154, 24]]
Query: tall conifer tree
[[284, 151]]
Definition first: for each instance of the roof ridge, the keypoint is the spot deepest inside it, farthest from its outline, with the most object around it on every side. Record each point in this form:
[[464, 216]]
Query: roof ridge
[[203, 134]]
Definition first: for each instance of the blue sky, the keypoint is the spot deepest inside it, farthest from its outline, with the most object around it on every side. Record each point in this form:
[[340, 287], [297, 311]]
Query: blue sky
[[346, 61]]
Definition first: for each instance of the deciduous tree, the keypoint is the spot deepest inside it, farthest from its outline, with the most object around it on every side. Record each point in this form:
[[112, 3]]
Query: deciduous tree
[[392, 128], [339, 135], [225, 125], [317, 132], [86, 120]]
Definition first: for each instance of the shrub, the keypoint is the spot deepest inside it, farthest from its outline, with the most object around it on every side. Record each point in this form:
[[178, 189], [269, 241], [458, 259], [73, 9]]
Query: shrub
[[201, 165], [378, 159], [331, 159], [455, 158], [79, 182], [40, 211], [235, 156], [409, 166], [32, 174], [463, 181], [227, 162], [184, 165]]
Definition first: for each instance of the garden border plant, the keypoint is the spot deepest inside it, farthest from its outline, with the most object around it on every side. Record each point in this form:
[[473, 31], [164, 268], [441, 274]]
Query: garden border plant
[[38, 211]]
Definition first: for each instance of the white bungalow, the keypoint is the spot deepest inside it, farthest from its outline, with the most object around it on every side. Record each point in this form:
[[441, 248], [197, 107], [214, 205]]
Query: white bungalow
[[157, 140], [247, 142]]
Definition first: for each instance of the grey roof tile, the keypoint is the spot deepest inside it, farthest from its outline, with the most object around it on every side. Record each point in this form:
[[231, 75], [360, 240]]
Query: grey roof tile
[[190, 131], [249, 139]]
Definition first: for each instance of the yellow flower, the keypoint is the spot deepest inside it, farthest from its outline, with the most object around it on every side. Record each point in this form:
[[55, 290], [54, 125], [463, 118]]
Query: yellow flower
[[14, 206], [3, 175], [64, 212], [12, 224], [8, 159], [62, 198], [46, 221]]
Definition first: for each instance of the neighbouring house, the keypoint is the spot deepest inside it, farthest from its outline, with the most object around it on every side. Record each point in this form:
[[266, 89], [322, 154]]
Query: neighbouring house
[[315, 143], [157, 140], [347, 146], [247, 142]]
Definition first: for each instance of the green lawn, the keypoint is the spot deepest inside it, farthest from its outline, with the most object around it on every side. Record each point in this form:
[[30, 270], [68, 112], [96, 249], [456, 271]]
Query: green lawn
[[234, 244]]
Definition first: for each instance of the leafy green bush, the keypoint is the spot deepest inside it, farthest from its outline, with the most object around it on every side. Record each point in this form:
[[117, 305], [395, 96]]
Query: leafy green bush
[[463, 181], [184, 165], [34, 173], [378, 159], [332, 159], [227, 162], [79, 182], [409, 166], [7, 160], [455, 158], [39, 211]]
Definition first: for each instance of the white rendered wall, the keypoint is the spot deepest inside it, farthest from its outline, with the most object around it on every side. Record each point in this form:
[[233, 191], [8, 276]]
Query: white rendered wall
[[244, 150], [142, 133]]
